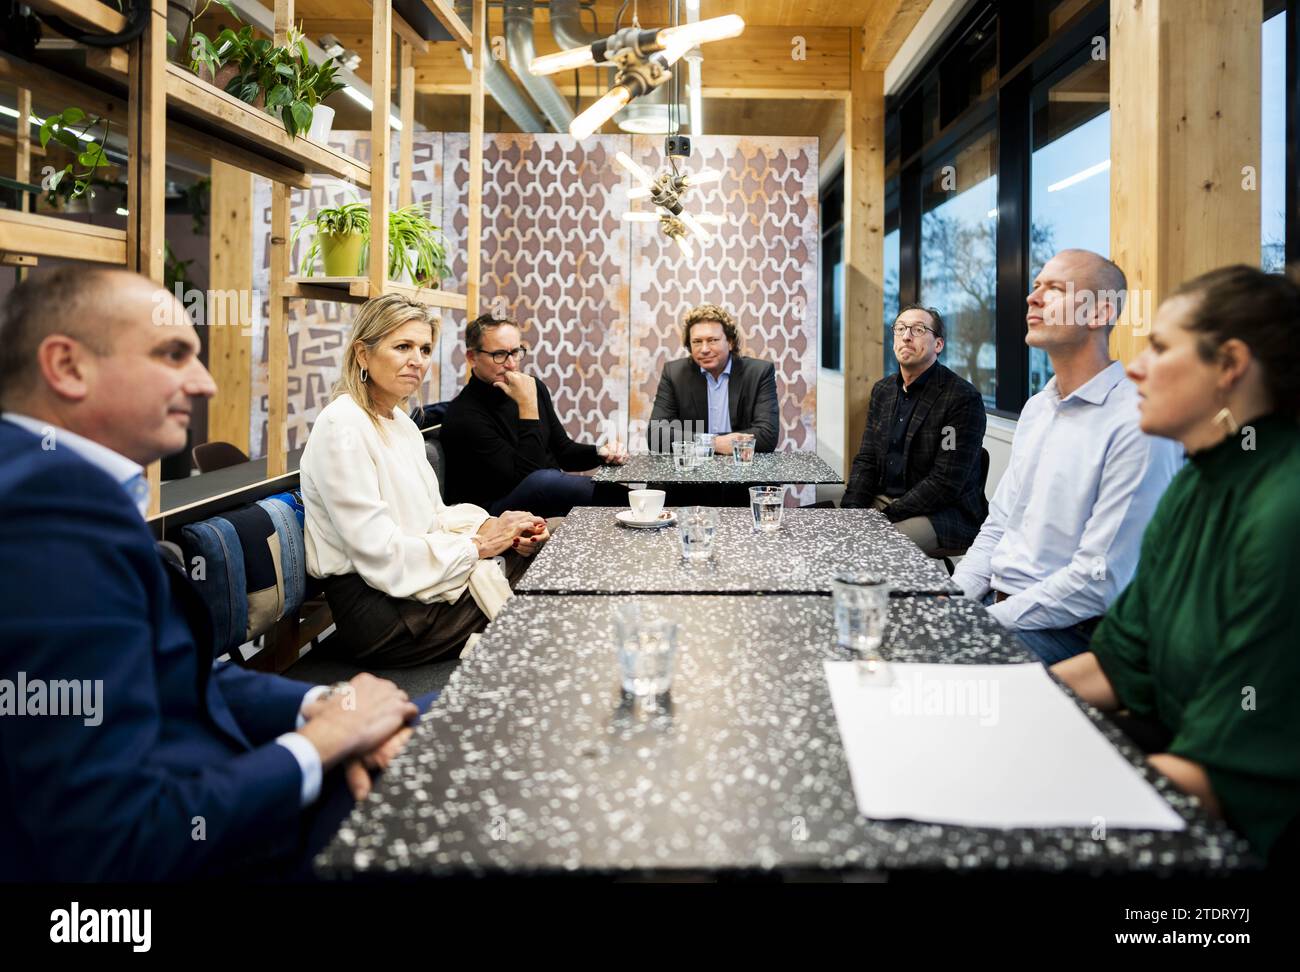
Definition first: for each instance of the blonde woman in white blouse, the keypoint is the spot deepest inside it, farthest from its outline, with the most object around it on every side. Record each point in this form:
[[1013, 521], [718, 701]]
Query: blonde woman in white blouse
[[395, 561]]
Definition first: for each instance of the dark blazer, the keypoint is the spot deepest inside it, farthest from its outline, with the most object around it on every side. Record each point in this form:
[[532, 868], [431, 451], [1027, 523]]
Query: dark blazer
[[683, 397], [942, 483], [490, 449], [88, 598]]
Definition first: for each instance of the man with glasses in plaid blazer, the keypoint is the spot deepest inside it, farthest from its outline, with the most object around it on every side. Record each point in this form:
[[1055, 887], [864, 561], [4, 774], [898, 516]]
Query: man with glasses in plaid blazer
[[920, 459]]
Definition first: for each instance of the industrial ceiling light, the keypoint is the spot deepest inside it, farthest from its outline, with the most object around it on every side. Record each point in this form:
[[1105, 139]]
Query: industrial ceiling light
[[666, 190], [643, 59]]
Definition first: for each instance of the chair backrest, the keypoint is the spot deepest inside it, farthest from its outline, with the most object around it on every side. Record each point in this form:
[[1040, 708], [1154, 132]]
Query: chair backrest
[[984, 469], [217, 455], [437, 458]]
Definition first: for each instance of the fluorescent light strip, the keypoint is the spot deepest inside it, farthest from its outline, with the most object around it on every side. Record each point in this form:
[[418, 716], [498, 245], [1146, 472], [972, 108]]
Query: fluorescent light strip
[[1087, 173]]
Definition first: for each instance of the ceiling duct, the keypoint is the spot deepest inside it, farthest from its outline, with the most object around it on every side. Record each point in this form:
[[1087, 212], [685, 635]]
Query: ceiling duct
[[520, 50], [499, 83]]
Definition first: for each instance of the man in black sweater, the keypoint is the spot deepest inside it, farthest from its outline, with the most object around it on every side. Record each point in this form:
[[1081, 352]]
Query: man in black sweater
[[920, 461], [506, 448]]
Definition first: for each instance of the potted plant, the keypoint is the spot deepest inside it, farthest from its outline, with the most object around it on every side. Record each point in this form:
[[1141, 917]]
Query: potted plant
[[181, 19], [342, 233], [72, 129], [415, 252]]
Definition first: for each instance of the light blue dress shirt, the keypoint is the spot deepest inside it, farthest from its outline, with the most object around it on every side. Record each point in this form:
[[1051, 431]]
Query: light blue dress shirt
[[131, 475], [1065, 525], [719, 408]]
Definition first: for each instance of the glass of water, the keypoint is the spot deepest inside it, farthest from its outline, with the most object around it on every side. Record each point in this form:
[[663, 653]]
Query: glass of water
[[767, 503], [696, 527], [861, 604], [683, 456], [704, 446], [742, 449], [646, 647]]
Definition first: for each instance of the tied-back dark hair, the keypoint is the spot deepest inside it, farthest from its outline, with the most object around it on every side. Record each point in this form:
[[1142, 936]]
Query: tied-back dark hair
[[484, 322], [1260, 309], [936, 319]]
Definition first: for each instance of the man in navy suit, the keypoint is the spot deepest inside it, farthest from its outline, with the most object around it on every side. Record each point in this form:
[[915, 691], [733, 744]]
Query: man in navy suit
[[125, 753]]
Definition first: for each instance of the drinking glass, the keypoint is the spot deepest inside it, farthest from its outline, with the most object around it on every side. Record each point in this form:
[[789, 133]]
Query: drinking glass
[[742, 449], [704, 446], [696, 527], [683, 456], [767, 503], [861, 605], [645, 647]]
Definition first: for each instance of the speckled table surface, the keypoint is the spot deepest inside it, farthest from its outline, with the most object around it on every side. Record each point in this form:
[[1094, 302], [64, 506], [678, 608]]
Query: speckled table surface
[[592, 553], [796, 468], [532, 762]]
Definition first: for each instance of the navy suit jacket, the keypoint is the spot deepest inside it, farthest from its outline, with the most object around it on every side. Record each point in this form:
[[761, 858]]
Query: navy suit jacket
[[87, 597]]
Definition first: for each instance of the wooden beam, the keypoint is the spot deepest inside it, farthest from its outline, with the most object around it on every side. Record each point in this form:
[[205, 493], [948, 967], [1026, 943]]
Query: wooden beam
[[864, 252], [474, 234], [277, 327], [446, 14], [147, 148], [403, 29], [90, 15], [406, 108], [381, 90], [230, 342], [23, 142], [887, 25], [30, 234], [1185, 124]]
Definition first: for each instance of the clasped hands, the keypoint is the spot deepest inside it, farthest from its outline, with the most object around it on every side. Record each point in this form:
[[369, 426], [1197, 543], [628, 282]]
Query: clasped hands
[[512, 530], [362, 727]]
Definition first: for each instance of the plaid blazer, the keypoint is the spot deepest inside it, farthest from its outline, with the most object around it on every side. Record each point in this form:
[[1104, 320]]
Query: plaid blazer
[[943, 483]]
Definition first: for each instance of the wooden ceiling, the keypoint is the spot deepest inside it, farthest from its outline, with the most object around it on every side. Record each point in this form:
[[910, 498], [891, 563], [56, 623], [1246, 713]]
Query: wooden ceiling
[[789, 73]]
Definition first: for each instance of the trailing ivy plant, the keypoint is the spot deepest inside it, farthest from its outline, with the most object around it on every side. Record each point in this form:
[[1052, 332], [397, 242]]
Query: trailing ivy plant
[[71, 127], [414, 248]]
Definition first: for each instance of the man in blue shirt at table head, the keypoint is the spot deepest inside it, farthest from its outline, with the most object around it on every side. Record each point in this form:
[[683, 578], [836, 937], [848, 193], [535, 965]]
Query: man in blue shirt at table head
[[715, 389], [131, 755], [1065, 525]]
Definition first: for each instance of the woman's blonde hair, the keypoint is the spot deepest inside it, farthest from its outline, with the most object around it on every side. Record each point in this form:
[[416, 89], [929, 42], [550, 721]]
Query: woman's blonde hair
[[379, 317]]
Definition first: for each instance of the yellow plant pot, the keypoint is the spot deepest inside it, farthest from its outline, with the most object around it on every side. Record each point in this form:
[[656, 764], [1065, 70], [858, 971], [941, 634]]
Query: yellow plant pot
[[341, 254]]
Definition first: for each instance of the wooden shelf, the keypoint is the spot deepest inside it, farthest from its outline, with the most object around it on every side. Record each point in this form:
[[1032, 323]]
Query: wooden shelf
[[89, 15], [28, 234], [355, 290], [211, 111]]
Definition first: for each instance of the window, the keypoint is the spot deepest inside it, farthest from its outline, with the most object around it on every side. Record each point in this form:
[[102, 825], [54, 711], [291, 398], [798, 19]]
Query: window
[[959, 208], [1070, 174], [891, 287], [832, 277], [1272, 169], [1004, 159]]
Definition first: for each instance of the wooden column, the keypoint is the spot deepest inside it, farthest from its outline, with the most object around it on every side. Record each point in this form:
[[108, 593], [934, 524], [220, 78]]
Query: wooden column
[[23, 142], [474, 235], [1184, 122], [381, 90], [864, 252], [406, 108], [277, 326], [146, 166], [230, 339]]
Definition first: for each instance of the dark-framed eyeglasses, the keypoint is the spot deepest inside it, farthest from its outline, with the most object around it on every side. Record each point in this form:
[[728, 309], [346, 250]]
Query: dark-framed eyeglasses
[[499, 357], [918, 330]]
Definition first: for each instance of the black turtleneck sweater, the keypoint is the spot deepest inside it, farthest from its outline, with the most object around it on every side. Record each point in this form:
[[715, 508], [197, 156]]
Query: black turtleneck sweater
[[490, 449]]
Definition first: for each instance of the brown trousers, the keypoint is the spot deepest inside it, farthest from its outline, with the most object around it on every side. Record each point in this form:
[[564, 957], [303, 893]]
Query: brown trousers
[[398, 632]]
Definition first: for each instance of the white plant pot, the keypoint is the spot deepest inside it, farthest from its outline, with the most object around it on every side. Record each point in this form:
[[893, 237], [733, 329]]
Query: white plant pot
[[322, 120]]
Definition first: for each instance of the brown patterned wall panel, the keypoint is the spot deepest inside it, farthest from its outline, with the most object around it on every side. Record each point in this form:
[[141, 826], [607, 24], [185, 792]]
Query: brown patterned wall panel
[[600, 299]]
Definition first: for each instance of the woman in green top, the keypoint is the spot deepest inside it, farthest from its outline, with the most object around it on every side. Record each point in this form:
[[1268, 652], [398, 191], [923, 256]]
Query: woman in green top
[[1203, 647]]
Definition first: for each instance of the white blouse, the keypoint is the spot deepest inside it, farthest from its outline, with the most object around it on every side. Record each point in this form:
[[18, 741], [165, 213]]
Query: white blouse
[[373, 508]]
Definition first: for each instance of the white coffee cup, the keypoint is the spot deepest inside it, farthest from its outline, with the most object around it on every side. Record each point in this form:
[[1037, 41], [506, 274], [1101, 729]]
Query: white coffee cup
[[646, 503]]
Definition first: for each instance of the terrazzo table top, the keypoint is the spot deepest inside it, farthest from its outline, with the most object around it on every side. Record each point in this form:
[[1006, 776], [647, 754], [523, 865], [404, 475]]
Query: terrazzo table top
[[794, 468], [531, 762], [592, 553]]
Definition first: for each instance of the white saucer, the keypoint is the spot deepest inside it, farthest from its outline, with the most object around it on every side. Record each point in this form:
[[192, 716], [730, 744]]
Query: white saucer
[[665, 517]]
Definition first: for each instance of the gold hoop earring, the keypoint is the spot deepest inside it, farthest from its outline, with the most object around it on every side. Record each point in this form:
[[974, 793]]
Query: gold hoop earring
[[1226, 419], [365, 374]]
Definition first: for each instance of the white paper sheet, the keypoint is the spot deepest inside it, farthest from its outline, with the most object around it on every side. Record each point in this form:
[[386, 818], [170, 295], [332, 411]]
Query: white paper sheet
[[985, 746]]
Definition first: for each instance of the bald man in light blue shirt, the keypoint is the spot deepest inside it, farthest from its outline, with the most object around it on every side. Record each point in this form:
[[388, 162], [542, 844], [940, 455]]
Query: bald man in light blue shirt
[[1065, 525]]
